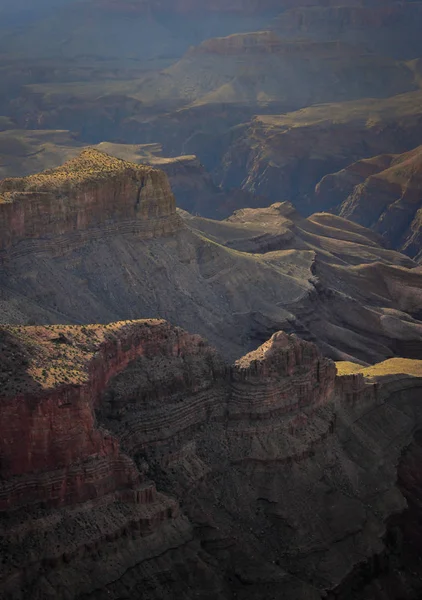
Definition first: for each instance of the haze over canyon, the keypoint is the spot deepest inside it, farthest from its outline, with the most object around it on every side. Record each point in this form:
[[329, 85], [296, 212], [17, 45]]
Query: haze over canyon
[[211, 300]]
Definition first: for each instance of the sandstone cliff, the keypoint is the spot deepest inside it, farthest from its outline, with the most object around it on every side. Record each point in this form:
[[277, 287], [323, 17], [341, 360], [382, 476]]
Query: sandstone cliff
[[256, 464], [88, 192]]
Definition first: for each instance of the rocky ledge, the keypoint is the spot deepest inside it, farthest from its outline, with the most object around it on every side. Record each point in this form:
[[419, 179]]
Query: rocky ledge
[[91, 191]]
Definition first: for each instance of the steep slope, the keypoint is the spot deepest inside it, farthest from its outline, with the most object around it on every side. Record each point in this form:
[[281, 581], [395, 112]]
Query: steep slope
[[384, 193], [146, 466], [285, 156], [104, 242]]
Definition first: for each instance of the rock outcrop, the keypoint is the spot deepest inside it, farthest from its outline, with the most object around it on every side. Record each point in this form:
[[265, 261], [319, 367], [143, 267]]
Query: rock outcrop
[[67, 488], [94, 190], [25, 152], [144, 462], [384, 193], [285, 375], [52, 380]]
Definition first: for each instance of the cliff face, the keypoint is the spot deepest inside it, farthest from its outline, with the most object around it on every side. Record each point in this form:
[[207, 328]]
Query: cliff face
[[265, 457], [284, 375], [383, 193], [365, 22], [52, 381], [64, 478], [91, 191], [290, 153], [261, 68]]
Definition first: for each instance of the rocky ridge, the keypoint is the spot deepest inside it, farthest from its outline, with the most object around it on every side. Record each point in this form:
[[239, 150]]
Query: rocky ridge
[[260, 68], [176, 418], [383, 193], [289, 154]]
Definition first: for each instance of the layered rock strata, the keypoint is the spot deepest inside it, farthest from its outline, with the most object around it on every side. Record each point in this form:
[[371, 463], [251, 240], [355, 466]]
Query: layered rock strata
[[264, 458], [235, 282], [375, 24], [289, 154], [91, 191], [62, 372], [384, 193], [60, 470], [284, 375]]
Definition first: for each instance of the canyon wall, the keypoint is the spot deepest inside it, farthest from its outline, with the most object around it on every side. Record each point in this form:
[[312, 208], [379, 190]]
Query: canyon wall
[[289, 154], [93, 190], [387, 27], [144, 462], [384, 193]]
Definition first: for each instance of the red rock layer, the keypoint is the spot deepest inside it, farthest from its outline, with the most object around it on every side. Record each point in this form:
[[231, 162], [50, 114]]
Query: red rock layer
[[268, 446], [52, 450]]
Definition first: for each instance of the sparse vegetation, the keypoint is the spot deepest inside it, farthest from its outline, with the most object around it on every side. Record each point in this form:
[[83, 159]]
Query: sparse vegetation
[[53, 355], [89, 167]]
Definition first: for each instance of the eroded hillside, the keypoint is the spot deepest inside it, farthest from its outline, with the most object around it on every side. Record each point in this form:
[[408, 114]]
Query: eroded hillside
[[116, 249]]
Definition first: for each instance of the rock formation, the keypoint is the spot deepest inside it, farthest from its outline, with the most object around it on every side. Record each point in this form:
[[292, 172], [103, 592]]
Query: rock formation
[[78, 248], [137, 461], [91, 191], [383, 193], [261, 68], [26, 152], [145, 464], [386, 26], [289, 154]]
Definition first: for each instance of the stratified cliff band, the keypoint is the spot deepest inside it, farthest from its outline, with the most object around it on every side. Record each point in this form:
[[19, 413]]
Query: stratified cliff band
[[136, 462]]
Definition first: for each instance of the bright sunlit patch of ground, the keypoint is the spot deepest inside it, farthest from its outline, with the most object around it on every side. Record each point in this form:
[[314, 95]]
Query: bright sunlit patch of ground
[[392, 366]]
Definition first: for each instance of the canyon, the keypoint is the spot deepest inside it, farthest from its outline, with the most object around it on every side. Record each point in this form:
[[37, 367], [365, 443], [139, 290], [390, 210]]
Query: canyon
[[210, 300], [125, 447], [99, 239]]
